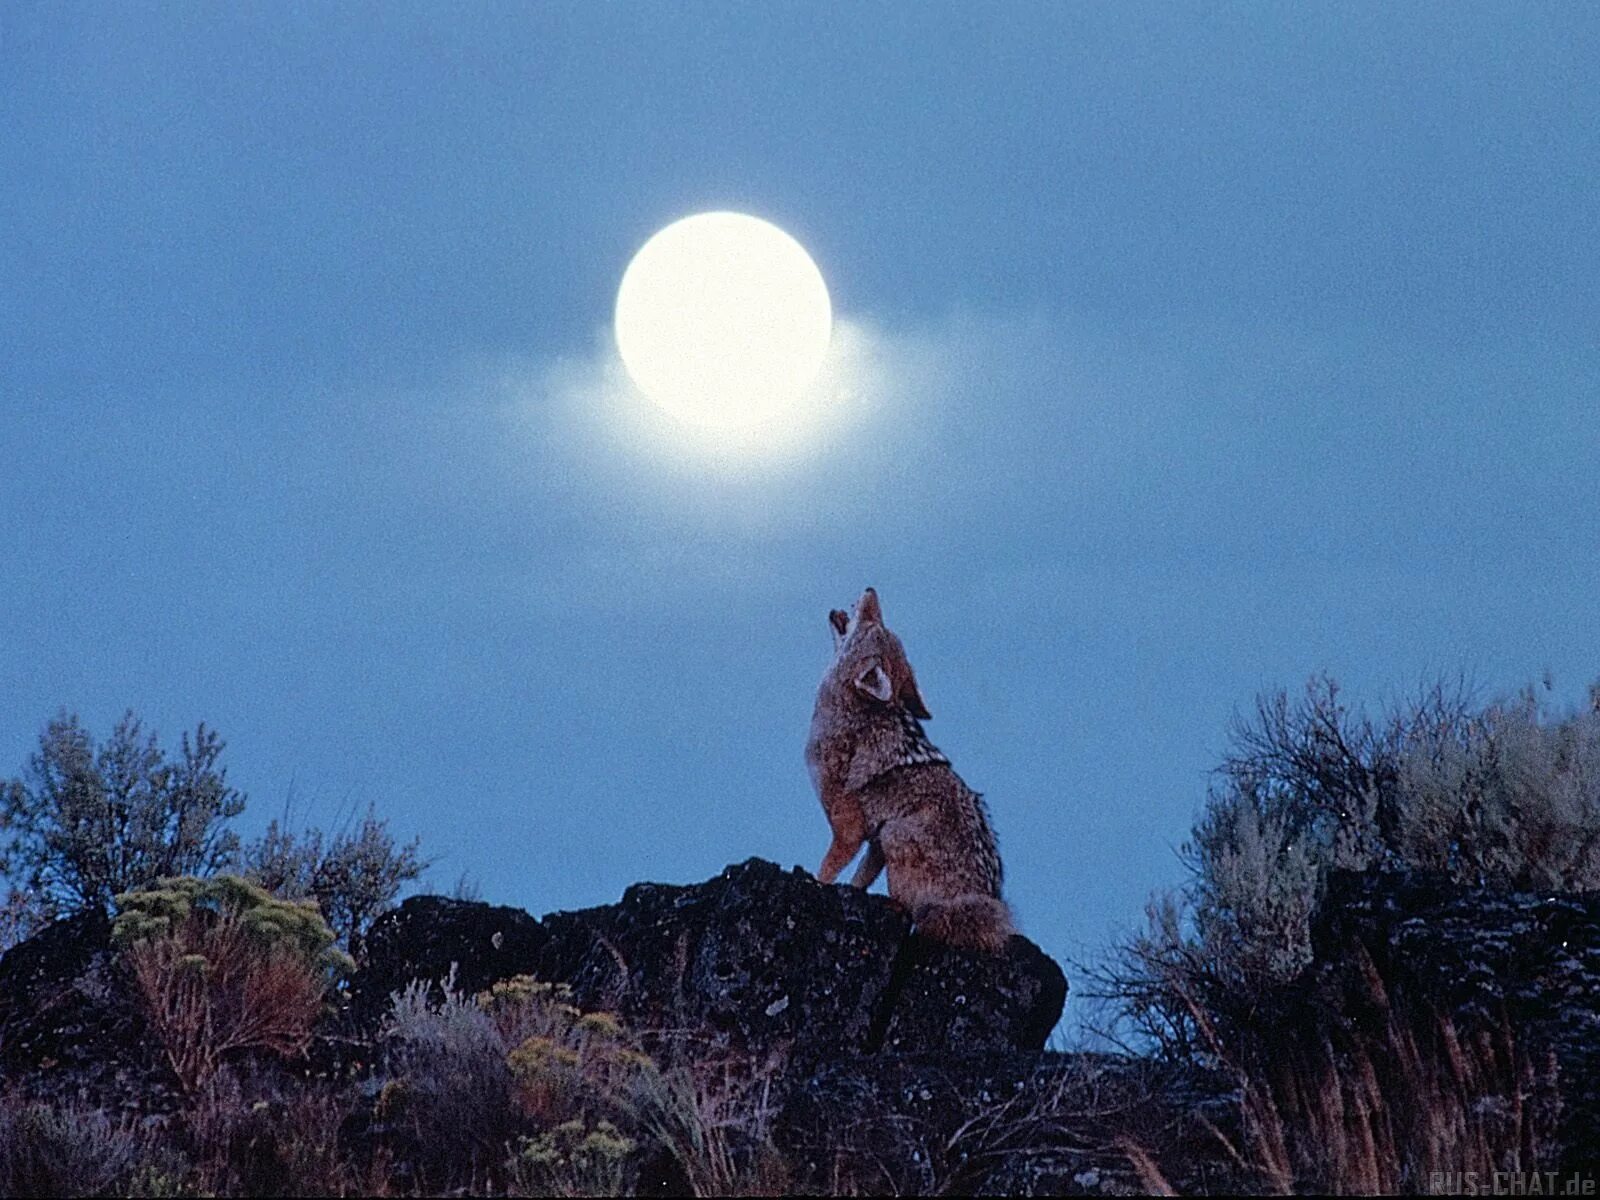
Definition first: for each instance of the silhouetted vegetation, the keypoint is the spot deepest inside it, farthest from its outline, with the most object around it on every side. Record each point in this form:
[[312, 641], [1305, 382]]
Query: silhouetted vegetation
[[86, 823], [352, 875], [1504, 794]]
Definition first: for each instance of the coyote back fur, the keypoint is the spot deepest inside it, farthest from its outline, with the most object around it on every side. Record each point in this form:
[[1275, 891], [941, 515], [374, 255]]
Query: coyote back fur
[[883, 783]]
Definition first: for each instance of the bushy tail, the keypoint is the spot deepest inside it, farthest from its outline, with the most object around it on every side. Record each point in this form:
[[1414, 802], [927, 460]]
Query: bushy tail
[[972, 922]]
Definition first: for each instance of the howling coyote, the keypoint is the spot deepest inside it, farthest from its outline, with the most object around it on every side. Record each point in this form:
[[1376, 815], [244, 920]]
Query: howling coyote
[[883, 783]]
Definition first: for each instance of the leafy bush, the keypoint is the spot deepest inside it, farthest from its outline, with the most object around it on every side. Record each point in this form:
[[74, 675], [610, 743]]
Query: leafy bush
[[566, 1064], [86, 823], [220, 966], [572, 1159], [353, 877], [1516, 801]]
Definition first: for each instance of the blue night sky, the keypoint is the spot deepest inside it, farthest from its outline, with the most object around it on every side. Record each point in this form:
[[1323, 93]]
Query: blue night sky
[[1184, 352]]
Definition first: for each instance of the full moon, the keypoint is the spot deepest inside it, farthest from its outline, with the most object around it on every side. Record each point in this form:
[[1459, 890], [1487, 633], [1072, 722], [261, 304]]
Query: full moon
[[723, 320]]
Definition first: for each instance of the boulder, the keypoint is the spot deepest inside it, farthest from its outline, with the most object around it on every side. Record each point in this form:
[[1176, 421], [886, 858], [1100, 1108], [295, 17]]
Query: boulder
[[756, 959], [435, 939], [751, 959], [945, 1001], [70, 1027]]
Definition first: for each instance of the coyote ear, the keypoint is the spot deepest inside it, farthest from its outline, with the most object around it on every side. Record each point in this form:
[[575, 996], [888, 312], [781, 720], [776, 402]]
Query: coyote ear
[[839, 621], [874, 682], [912, 699]]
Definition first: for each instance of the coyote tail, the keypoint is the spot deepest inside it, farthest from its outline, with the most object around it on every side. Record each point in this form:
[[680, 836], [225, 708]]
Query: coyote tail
[[973, 922]]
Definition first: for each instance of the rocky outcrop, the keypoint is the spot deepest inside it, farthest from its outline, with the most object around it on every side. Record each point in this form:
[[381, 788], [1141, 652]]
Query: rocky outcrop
[[755, 959], [891, 1063], [861, 1018]]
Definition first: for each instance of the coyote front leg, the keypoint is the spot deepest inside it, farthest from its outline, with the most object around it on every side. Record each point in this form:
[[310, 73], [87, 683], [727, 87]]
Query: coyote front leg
[[849, 831]]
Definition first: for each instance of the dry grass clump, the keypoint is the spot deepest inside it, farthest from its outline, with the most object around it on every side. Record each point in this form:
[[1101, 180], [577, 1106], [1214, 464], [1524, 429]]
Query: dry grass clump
[[446, 1105], [711, 1113], [609, 1114], [519, 1089], [1081, 1121], [1382, 1111], [254, 1134], [1381, 1097]]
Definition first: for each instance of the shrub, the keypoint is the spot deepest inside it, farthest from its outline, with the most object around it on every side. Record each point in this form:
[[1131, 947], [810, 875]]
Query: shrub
[[572, 1159], [47, 1151], [253, 1133], [1514, 802], [566, 1064], [353, 876], [1504, 794], [85, 824], [605, 1107], [448, 1101], [221, 966], [520, 1081]]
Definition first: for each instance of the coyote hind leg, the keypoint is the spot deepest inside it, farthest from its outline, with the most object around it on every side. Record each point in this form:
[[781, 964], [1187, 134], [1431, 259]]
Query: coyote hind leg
[[871, 866]]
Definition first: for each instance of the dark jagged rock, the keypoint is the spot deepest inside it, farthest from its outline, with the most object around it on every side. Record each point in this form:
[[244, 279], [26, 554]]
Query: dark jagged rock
[[1525, 961], [69, 1026], [945, 1000], [433, 938], [755, 959], [37, 975], [758, 958], [1013, 1124], [751, 958]]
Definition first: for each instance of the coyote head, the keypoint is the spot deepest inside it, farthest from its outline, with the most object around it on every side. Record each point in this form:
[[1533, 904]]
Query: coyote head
[[870, 661]]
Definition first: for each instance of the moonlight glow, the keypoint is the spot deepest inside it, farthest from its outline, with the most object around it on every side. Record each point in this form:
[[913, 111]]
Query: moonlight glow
[[723, 319]]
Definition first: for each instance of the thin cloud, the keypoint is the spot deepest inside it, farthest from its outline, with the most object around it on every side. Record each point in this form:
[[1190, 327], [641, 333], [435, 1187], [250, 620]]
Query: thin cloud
[[913, 436], [588, 402], [888, 401]]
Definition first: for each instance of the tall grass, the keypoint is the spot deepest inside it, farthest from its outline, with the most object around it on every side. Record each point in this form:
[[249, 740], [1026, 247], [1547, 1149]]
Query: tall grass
[[1380, 1097]]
